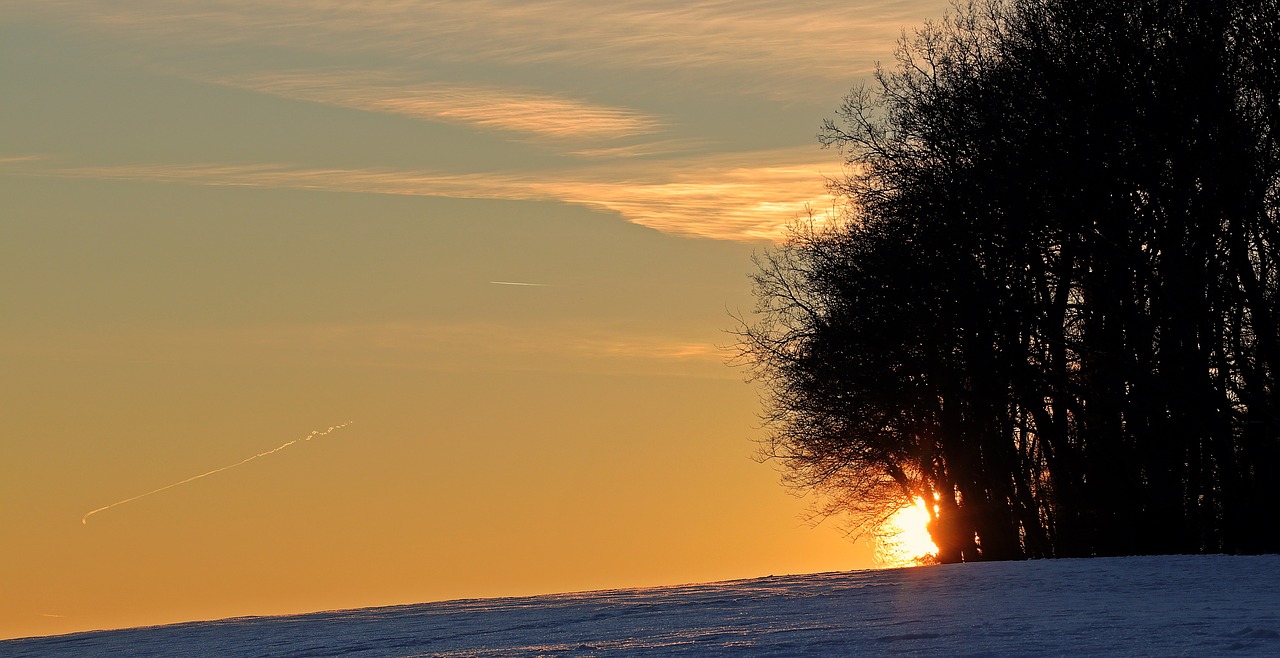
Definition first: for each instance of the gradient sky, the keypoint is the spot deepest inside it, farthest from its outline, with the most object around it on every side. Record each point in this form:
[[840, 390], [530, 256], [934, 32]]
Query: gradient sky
[[225, 224]]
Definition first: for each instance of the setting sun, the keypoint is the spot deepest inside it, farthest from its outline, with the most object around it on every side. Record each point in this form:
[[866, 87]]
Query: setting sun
[[904, 539]]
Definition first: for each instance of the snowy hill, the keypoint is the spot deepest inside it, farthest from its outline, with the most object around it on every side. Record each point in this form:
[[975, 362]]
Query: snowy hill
[[1137, 606]]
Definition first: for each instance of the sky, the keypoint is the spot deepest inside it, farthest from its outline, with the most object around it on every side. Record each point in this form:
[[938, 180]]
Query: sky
[[503, 240]]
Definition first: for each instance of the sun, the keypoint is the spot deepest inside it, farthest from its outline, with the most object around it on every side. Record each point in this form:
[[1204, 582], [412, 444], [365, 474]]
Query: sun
[[904, 540]]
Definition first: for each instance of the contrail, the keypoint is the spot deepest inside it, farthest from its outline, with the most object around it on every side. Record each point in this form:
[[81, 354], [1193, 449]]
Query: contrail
[[519, 283], [314, 433]]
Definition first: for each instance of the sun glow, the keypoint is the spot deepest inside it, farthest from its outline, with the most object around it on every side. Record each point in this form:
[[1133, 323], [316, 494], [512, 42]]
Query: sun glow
[[904, 539]]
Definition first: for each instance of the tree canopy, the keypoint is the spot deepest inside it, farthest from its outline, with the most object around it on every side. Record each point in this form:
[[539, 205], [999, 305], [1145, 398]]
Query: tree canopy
[[1049, 308]]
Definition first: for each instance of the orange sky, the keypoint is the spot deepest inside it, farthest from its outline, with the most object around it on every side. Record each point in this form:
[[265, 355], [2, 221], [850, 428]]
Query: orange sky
[[227, 224]]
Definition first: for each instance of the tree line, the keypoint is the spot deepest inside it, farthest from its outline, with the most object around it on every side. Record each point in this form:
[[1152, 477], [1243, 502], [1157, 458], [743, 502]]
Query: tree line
[[1049, 305]]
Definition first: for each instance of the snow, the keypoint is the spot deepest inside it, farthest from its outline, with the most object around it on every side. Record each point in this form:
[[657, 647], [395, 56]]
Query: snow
[[1134, 606]]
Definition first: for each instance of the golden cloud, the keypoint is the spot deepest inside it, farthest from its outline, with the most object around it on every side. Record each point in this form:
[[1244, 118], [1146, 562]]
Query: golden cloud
[[429, 345], [567, 340], [539, 115], [744, 197]]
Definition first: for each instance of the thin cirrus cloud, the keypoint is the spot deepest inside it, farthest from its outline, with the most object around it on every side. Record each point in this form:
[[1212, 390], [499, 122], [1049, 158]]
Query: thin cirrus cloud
[[741, 197], [537, 115], [793, 46], [428, 345], [566, 340]]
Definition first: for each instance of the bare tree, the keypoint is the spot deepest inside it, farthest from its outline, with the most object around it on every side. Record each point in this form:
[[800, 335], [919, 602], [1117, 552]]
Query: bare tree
[[1050, 307]]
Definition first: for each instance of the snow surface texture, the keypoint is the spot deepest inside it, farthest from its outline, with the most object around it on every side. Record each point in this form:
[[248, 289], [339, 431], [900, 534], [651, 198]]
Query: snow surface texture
[[1136, 606]]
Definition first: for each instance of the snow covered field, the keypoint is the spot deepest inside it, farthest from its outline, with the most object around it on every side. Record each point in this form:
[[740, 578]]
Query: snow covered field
[[1138, 606]]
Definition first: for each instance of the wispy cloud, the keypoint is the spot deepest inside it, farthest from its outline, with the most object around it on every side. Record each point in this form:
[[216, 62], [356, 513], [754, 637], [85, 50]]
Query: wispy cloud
[[536, 114], [792, 44], [567, 340], [429, 345], [750, 196], [621, 347]]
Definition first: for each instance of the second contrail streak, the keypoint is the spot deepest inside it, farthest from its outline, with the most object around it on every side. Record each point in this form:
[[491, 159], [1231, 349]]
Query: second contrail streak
[[314, 433]]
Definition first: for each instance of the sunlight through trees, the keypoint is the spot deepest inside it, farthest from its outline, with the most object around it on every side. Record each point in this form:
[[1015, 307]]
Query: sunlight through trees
[[904, 540], [1051, 304]]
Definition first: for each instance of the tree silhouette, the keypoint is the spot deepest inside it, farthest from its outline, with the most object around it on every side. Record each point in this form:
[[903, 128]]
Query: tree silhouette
[[1050, 307]]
